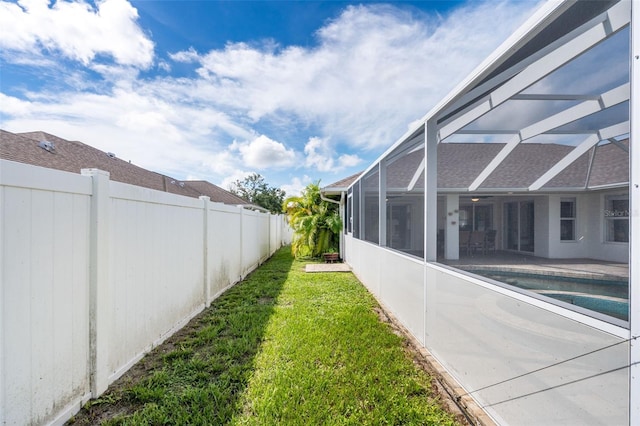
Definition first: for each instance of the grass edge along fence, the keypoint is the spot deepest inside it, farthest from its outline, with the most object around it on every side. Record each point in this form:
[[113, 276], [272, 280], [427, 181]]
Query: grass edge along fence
[[281, 347]]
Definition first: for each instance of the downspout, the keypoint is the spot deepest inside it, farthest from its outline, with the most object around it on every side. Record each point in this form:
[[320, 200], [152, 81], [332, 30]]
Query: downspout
[[339, 203]]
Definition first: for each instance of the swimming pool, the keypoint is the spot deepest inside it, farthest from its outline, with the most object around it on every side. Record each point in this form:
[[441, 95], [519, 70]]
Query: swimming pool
[[609, 297]]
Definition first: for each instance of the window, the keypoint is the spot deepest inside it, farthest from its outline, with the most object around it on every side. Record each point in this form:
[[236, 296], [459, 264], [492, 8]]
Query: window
[[568, 219], [616, 218]]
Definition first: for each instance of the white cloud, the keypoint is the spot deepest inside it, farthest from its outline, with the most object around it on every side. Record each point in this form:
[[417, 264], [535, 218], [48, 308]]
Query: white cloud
[[264, 153], [229, 181], [76, 30], [348, 160], [186, 56], [295, 187], [319, 154], [161, 136], [164, 66], [375, 68]]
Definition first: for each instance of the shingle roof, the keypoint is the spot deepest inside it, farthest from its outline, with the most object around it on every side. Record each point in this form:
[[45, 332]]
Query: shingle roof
[[610, 165], [459, 164], [525, 164], [215, 193], [342, 184], [400, 173], [72, 156]]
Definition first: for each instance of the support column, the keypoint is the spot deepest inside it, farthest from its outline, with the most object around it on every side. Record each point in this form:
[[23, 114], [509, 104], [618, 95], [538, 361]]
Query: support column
[[430, 222], [431, 193], [382, 203], [99, 291], [634, 220], [451, 234]]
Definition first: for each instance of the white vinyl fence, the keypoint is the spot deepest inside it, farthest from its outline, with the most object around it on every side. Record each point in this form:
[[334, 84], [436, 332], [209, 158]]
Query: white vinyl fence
[[95, 273]]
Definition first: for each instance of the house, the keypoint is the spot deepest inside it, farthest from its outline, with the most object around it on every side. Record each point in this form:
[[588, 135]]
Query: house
[[499, 229], [602, 171], [46, 150]]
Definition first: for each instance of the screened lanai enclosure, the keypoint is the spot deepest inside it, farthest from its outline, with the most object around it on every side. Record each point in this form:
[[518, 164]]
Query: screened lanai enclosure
[[499, 230]]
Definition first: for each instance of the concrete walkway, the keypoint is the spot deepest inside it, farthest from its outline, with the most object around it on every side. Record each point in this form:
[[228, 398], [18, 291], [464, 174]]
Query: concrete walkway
[[327, 267]]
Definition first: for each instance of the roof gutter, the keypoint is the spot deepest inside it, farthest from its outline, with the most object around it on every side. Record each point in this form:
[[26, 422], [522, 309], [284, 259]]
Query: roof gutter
[[323, 198]]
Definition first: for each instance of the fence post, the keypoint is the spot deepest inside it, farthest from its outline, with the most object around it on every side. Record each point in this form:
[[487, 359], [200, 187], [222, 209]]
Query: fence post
[[3, 407], [99, 294], [242, 270], [205, 250]]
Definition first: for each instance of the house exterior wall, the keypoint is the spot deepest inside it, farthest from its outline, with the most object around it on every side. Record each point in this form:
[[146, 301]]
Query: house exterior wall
[[541, 226], [589, 239], [85, 293], [590, 230]]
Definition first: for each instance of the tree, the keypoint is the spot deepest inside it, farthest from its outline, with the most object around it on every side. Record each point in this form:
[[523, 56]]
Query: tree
[[315, 222], [255, 190]]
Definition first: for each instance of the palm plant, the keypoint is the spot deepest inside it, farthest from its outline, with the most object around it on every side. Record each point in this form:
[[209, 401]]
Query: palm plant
[[316, 223]]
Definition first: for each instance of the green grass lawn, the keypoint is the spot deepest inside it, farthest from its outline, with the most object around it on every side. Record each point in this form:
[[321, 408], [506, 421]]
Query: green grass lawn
[[282, 347]]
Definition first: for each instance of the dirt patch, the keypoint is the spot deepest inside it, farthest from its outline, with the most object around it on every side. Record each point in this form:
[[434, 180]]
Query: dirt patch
[[115, 401]]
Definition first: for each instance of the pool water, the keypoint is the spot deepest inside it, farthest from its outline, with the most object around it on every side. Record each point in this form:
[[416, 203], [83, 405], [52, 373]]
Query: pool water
[[608, 297]]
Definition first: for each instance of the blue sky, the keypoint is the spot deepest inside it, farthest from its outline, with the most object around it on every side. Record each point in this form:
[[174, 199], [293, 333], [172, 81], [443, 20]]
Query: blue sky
[[296, 91]]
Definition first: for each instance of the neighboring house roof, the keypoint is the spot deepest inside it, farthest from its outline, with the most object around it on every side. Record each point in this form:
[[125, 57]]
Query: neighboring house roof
[[215, 193], [72, 156]]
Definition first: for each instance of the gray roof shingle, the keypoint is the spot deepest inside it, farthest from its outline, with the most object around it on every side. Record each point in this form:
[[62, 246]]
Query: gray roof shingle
[[610, 165], [459, 164], [215, 193], [525, 164]]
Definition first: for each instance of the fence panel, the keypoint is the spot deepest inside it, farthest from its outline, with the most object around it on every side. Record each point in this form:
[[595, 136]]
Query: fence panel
[[156, 269], [44, 310], [264, 225], [274, 233], [225, 250], [250, 241]]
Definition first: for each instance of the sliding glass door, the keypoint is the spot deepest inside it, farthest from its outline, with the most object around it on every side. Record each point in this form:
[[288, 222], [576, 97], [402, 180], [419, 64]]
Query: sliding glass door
[[518, 226]]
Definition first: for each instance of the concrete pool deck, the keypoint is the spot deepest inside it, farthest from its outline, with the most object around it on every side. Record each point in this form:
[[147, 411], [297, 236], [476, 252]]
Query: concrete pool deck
[[578, 268]]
